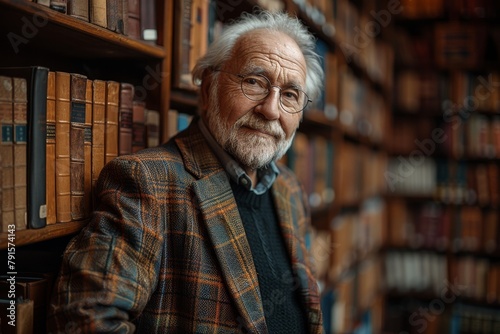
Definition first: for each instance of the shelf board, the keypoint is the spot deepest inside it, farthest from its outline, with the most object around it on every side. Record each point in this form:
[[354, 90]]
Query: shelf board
[[41, 28], [29, 236]]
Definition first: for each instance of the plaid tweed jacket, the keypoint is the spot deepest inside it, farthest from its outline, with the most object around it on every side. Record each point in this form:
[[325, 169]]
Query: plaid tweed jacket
[[166, 252]]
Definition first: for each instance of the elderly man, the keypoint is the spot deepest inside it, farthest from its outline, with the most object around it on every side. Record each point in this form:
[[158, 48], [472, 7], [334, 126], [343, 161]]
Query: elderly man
[[206, 233]]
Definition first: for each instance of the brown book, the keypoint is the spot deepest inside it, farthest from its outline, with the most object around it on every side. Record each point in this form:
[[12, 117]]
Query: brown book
[[98, 128], [87, 143], [79, 9], [63, 171], [59, 5], [77, 150], [134, 19], [112, 116], [126, 118], [97, 14], [138, 126], [6, 153], [114, 15], [183, 44], [50, 178], [152, 128], [19, 116], [149, 32]]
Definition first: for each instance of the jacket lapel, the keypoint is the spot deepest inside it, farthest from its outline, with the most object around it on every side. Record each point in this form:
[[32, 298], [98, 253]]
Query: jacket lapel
[[225, 229]]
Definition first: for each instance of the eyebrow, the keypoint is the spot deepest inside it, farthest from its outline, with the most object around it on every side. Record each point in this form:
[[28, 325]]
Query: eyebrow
[[253, 69]]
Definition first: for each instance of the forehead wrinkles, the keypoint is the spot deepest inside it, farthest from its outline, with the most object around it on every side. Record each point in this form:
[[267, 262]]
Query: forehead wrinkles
[[270, 53]]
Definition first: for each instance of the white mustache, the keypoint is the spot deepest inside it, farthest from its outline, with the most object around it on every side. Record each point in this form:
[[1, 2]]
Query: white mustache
[[271, 128]]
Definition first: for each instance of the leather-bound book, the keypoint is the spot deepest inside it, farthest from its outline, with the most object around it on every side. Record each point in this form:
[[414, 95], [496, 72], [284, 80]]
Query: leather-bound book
[[77, 150], [112, 112], [134, 19], [59, 5], [19, 116], [87, 141], [63, 171], [114, 15], [31, 129], [98, 13], [138, 126], [51, 149], [126, 115], [79, 9], [152, 128], [6, 154], [98, 128], [149, 32]]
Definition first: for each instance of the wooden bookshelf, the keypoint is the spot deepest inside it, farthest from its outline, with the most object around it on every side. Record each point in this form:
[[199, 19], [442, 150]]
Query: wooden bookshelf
[[30, 236], [75, 38]]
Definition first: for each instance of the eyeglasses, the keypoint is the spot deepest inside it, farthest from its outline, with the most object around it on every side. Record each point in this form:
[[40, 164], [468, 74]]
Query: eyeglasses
[[257, 87]]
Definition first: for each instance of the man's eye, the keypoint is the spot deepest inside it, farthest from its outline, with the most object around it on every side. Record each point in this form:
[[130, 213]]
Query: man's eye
[[290, 95]]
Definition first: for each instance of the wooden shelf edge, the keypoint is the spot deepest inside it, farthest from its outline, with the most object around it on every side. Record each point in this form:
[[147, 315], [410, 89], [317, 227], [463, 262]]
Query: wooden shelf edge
[[29, 236], [24, 8]]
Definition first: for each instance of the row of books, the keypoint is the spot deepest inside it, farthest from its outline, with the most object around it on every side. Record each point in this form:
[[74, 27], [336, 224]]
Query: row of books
[[63, 128], [434, 226], [362, 110], [435, 93], [134, 18], [479, 278], [440, 8], [312, 158], [470, 319], [355, 236], [477, 136], [354, 305]]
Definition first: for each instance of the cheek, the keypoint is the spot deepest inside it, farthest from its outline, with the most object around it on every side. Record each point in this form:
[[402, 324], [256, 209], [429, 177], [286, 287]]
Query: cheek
[[290, 123]]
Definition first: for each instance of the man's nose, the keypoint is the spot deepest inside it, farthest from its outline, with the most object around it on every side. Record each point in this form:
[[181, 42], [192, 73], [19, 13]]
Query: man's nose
[[270, 107]]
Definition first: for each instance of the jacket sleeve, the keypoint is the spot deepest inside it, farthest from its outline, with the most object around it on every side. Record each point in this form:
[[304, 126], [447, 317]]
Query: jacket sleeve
[[110, 268]]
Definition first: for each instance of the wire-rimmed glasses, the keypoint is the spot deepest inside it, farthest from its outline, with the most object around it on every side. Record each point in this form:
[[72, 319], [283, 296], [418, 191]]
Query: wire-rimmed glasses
[[257, 87]]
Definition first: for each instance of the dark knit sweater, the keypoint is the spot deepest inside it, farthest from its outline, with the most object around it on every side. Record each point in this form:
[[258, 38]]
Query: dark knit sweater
[[280, 296]]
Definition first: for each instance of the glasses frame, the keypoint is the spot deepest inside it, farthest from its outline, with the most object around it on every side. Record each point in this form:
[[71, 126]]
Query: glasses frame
[[242, 77]]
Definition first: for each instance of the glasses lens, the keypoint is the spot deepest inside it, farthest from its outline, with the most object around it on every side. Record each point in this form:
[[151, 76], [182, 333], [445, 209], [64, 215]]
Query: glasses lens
[[293, 100], [255, 87]]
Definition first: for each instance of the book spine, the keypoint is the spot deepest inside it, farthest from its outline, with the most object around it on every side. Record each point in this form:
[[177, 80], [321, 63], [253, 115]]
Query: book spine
[[77, 150], [98, 128], [148, 21], [126, 118], [98, 14], [152, 128], [134, 19], [19, 117], [63, 172], [88, 149], [112, 116], [51, 149], [79, 9], [6, 153], [37, 126], [138, 126]]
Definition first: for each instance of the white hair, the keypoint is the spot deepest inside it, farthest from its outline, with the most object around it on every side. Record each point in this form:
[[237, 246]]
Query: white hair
[[220, 50]]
